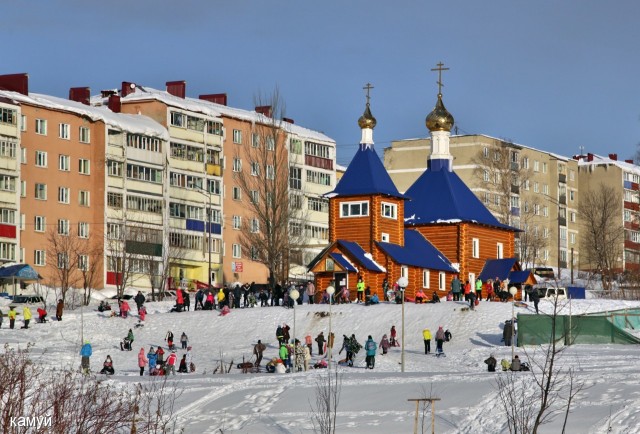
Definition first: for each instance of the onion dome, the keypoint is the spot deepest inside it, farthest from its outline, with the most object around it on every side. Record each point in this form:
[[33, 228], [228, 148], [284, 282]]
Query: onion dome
[[367, 120], [439, 119]]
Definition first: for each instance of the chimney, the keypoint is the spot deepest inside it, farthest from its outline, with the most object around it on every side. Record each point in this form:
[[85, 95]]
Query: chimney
[[114, 103], [107, 93], [216, 98], [289, 120], [629, 161], [15, 83], [177, 88], [80, 94], [589, 156], [613, 157], [265, 110], [127, 88]]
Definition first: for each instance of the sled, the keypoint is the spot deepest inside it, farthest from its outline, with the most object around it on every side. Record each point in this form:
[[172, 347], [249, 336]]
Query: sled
[[520, 304]]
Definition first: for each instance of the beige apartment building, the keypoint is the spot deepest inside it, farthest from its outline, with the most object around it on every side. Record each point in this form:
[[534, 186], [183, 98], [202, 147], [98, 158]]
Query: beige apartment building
[[530, 189]]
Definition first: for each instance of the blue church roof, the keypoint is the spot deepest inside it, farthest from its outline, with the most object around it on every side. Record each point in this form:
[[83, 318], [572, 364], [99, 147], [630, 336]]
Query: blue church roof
[[365, 175], [500, 268], [344, 262], [358, 253], [441, 196], [417, 252]]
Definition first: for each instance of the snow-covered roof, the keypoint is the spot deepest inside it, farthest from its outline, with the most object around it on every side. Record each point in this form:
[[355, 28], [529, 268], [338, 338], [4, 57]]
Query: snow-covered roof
[[142, 93], [137, 124], [598, 159]]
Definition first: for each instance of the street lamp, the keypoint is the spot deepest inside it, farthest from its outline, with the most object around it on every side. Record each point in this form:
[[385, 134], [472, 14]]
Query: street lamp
[[403, 282], [513, 291], [330, 290], [210, 211], [294, 294]]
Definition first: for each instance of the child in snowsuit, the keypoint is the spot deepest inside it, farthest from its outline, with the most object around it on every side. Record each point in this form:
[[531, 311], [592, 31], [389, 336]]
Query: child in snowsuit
[[142, 361], [184, 340], [371, 347], [107, 366], [384, 344]]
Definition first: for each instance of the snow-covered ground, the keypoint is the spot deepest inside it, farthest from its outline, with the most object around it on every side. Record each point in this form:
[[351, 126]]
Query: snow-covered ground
[[371, 401]]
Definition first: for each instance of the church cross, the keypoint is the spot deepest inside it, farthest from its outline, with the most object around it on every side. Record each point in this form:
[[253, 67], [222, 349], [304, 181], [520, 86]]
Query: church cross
[[440, 69], [368, 87]]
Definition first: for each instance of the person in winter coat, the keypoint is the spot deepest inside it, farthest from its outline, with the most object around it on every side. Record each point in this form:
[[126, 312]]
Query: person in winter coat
[[320, 340], [299, 355], [439, 341], [184, 340], [139, 299], [26, 315], [384, 344], [507, 333], [142, 361], [12, 316], [515, 363], [467, 290], [426, 335], [456, 288], [488, 286], [221, 298], [447, 335], [280, 335], [179, 301], [142, 312], [210, 301], [199, 299], [160, 356], [472, 300], [307, 358], [42, 315], [59, 310], [183, 365], [285, 332], [189, 359], [308, 341], [107, 366], [284, 354], [331, 340], [371, 347], [169, 339], [85, 353], [170, 365], [491, 363], [360, 290], [124, 309], [535, 298], [153, 359], [258, 350], [187, 300], [392, 335], [421, 297], [311, 291], [478, 289]]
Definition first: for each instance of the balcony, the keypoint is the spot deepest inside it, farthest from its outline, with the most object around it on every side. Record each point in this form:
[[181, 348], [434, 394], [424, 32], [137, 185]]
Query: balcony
[[562, 178], [143, 248], [562, 221], [515, 189], [515, 211], [515, 166], [563, 264], [214, 169], [321, 163], [563, 199]]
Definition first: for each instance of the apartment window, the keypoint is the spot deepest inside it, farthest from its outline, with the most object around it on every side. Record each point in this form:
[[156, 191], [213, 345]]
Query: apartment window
[[84, 135], [354, 209], [525, 184], [485, 176], [475, 247], [83, 230], [255, 196], [237, 222], [255, 225], [236, 193], [389, 210], [7, 216], [318, 204], [236, 251], [114, 231], [545, 232], [295, 178], [23, 123], [63, 261], [41, 159], [41, 191], [144, 204], [536, 209], [270, 143], [63, 131], [572, 238], [83, 262], [271, 172], [63, 227], [84, 166], [213, 186], [544, 167], [572, 175], [545, 211], [83, 198], [237, 136], [627, 215], [64, 162], [571, 195], [237, 165], [536, 166], [486, 197], [525, 162], [23, 155], [39, 257], [425, 279], [114, 200], [499, 250], [255, 169], [23, 188], [114, 168], [485, 152], [8, 116], [178, 119], [496, 200], [318, 177], [545, 189], [40, 223], [144, 143], [63, 194], [295, 146], [7, 149], [442, 281], [384, 237], [41, 127], [536, 187], [255, 140]]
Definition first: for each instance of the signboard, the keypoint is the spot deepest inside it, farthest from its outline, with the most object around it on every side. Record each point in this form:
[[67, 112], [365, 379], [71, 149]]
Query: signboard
[[236, 267]]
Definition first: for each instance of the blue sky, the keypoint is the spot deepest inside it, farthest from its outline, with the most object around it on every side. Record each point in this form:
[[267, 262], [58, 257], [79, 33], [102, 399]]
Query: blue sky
[[554, 75]]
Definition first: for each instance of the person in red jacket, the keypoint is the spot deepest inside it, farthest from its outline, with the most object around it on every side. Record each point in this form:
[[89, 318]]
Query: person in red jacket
[[142, 361], [170, 365], [179, 300], [124, 309]]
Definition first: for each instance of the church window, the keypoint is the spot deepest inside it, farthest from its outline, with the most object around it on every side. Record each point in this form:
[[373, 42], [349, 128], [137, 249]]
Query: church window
[[425, 279], [442, 281], [384, 237], [354, 209], [389, 210], [500, 250], [475, 247]]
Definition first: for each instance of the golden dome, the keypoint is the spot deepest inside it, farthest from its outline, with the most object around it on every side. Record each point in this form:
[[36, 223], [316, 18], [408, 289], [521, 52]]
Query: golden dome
[[367, 120], [439, 119]]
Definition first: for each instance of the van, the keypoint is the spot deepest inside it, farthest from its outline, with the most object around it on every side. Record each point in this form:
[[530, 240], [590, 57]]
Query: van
[[28, 299], [552, 293], [545, 272]]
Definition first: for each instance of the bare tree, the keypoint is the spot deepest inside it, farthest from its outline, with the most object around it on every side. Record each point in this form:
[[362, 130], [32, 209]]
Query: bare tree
[[122, 259], [158, 268], [274, 225], [499, 171], [89, 266], [155, 410], [602, 234], [532, 240], [63, 248], [325, 412]]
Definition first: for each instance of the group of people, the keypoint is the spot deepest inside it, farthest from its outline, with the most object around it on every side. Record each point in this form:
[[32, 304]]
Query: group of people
[[515, 365], [441, 337], [27, 315]]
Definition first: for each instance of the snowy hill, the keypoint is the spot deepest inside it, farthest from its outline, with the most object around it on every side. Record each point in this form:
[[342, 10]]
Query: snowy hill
[[371, 401]]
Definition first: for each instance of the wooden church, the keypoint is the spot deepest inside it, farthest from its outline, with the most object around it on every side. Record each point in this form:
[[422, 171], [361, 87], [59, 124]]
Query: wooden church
[[437, 229]]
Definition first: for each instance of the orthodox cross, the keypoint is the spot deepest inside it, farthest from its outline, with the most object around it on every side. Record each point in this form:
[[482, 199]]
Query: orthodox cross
[[440, 69], [368, 87]]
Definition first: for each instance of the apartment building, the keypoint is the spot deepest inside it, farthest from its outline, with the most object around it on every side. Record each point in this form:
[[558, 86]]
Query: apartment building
[[623, 178], [63, 184], [523, 187], [11, 122]]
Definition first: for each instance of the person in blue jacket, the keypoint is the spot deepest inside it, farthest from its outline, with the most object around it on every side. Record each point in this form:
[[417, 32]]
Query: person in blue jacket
[[370, 347], [85, 352]]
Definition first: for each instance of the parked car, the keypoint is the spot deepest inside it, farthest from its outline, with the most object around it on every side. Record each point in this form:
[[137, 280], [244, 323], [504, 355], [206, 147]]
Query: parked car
[[550, 293], [28, 299], [545, 272], [124, 297]]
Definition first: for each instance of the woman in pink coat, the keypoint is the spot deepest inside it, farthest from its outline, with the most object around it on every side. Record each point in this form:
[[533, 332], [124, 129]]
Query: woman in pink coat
[[142, 361]]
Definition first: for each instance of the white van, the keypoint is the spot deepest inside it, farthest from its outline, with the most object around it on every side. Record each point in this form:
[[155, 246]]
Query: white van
[[552, 293]]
